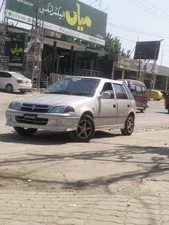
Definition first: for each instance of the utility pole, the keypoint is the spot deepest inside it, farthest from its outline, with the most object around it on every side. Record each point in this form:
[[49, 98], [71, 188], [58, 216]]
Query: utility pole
[[3, 24], [139, 70], [162, 54], [36, 43]]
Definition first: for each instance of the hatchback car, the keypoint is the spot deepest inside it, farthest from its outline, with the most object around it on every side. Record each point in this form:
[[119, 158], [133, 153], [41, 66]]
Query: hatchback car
[[14, 81], [77, 105]]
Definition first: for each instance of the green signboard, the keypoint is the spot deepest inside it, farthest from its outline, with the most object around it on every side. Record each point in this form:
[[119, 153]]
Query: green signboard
[[14, 48], [69, 17]]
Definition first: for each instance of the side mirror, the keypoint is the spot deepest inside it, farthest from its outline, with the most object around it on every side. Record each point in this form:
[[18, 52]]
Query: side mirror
[[105, 95], [42, 90]]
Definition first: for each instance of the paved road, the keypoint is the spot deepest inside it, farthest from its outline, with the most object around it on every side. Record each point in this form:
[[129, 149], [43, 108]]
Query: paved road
[[112, 180]]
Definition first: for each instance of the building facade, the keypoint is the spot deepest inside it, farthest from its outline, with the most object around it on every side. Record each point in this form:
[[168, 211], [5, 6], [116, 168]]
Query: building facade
[[154, 76]]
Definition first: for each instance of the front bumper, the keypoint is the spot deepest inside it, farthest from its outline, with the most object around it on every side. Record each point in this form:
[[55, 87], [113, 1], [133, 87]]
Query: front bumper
[[55, 122]]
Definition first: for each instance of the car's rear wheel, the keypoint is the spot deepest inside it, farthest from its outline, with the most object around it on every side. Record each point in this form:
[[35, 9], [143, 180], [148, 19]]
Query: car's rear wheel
[[142, 110], [25, 131], [22, 91], [85, 130], [9, 88], [129, 125]]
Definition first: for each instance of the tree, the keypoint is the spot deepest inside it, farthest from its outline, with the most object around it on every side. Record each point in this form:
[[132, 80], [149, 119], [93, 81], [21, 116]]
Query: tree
[[112, 46], [125, 54]]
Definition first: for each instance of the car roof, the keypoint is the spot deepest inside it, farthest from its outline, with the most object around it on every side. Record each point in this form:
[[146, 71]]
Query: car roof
[[135, 82], [100, 78], [6, 71]]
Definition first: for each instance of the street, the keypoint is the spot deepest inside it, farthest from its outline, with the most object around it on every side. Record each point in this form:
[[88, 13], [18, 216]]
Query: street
[[45, 179]]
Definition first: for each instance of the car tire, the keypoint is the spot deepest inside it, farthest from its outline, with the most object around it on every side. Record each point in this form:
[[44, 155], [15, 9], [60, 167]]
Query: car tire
[[25, 132], [85, 130], [129, 126], [143, 110], [9, 88], [22, 92]]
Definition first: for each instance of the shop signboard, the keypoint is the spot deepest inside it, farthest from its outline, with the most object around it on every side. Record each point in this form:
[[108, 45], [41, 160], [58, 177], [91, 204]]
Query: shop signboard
[[69, 17], [14, 49]]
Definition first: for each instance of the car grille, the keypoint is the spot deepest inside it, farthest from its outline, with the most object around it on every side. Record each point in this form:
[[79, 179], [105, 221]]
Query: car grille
[[35, 108], [37, 121]]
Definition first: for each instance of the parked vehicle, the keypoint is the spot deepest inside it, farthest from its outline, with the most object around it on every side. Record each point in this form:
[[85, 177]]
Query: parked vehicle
[[78, 105], [155, 95], [166, 100], [140, 94], [14, 81]]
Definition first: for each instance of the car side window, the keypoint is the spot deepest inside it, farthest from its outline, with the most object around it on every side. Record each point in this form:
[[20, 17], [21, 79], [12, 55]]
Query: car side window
[[138, 89], [108, 87], [133, 89], [144, 89], [8, 75], [120, 91], [5, 75]]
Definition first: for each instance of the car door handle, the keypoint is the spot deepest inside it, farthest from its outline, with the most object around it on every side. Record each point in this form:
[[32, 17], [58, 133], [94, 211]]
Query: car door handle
[[114, 106]]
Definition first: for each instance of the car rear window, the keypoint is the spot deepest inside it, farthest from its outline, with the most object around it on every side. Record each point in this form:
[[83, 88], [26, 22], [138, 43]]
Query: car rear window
[[17, 75], [129, 92]]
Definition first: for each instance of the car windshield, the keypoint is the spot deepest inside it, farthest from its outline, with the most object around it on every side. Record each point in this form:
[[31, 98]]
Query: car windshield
[[74, 86], [17, 75]]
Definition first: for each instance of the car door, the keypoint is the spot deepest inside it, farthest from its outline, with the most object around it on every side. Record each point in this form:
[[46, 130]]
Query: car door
[[4, 79], [107, 108], [139, 96], [123, 103], [145, 95]]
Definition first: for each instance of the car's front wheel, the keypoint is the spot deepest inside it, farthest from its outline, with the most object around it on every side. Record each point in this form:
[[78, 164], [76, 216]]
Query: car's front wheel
[[129, 126], [25, 131], [85, 130]]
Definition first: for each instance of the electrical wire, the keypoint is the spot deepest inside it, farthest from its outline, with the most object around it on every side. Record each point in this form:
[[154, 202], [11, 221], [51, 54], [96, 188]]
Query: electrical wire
[[155, 8], [150, 11], [137, 31]]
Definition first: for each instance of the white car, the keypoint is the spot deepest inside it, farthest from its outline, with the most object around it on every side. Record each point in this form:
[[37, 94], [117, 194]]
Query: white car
[[14, 81], [77, 105]]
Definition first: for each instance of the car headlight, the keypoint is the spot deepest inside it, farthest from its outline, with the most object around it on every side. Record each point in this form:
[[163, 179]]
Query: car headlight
[[62, 109], [15, 106]]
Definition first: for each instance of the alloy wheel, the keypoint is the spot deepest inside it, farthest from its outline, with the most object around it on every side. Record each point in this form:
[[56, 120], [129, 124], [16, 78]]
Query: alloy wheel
[[84, 129], [130, 124]]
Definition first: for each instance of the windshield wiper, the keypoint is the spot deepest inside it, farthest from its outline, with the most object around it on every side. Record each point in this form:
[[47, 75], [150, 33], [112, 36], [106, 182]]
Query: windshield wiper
[[81, 94], [57, 92]]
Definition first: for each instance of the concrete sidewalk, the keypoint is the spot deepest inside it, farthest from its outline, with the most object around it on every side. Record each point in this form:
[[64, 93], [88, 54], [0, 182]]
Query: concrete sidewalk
[[31, 208]]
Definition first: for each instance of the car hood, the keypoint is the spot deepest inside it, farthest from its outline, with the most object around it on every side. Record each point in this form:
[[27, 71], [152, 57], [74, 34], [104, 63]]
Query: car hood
[[53, 99]]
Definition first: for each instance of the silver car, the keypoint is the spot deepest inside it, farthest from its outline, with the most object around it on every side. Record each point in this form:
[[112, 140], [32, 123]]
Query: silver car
[[77, 105]]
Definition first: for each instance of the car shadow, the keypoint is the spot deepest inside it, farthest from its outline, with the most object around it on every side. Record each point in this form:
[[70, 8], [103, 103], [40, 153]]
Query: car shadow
[[41, 138], [162, 112], [104, 134], [48, 138]]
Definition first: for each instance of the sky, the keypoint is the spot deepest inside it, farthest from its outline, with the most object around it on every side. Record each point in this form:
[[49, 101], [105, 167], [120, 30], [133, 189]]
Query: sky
[[147, 19], [137, 20]]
